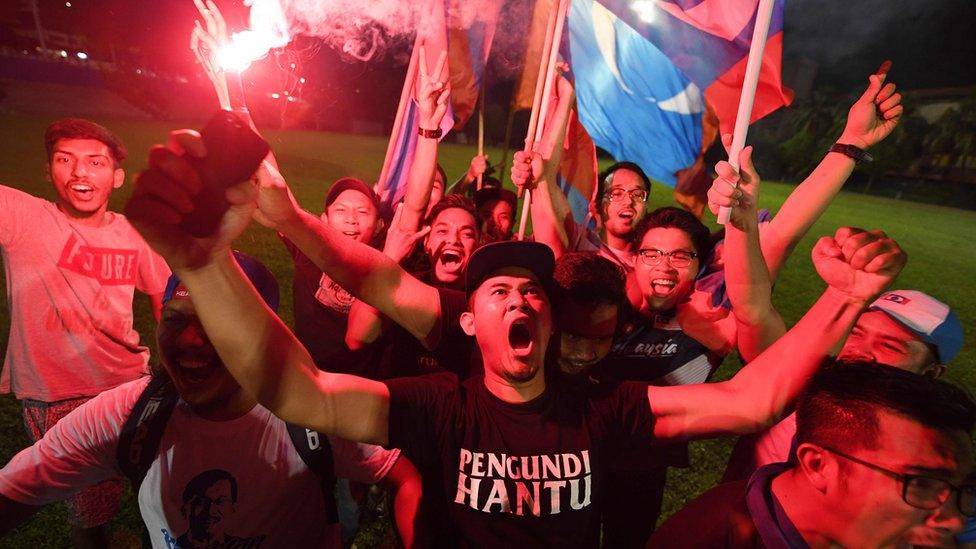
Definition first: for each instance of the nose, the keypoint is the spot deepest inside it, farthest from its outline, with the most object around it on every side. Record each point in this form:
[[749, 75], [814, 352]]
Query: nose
[[78, 169], [192, 336], [948, 517], [517, 301]]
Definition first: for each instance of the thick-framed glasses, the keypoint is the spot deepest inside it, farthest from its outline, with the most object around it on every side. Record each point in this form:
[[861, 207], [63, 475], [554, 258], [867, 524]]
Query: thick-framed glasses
[[922, 491], [618, 194], [677, 258]]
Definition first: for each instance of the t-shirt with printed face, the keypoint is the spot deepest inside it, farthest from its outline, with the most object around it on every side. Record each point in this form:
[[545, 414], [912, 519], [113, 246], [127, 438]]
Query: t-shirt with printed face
[[70, 288], [237, 483], [519, 475]]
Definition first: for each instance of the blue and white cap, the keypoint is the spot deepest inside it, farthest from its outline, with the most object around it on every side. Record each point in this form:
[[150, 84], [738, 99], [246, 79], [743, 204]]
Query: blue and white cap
[[932, 320]]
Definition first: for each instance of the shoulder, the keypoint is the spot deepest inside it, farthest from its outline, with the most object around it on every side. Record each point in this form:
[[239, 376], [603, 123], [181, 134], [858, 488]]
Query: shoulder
[[717, 518]]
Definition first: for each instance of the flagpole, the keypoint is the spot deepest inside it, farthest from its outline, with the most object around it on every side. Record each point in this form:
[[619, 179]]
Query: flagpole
[[753, 66], [405, 93], [481, 130], [543, 89]]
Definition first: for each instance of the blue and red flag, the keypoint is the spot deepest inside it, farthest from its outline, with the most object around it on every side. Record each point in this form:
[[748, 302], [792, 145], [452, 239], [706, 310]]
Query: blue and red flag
[[645, 68], [467, 41]]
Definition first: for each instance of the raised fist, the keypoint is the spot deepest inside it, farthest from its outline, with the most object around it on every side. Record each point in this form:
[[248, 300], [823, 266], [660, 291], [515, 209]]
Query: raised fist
[[861, 264]]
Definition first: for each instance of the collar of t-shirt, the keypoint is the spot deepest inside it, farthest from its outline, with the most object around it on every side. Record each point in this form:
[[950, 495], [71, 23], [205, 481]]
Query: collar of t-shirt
[[774, 527], [534, 406]]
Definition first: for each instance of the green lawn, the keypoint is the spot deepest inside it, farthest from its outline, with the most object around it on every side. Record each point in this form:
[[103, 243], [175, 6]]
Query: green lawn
[[937, 239]]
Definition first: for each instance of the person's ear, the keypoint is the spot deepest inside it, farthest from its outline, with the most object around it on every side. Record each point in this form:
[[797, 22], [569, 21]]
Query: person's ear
[[816, 466], [467, 323], [934, 370], [118, 178]]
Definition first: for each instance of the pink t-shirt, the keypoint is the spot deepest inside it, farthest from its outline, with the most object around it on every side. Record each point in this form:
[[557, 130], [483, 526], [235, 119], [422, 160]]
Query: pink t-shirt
[[70, 290]]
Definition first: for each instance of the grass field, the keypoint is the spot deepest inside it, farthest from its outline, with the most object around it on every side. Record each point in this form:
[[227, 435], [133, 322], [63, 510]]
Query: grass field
[[939, 242]]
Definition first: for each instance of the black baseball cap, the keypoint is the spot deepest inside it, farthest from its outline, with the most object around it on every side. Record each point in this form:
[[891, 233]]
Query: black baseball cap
[[259, 275], [347, 183], [487, 194], [534, 257]]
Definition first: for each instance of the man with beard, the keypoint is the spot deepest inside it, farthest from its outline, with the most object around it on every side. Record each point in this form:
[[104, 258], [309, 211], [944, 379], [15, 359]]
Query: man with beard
[[222, 469], [525, 455]]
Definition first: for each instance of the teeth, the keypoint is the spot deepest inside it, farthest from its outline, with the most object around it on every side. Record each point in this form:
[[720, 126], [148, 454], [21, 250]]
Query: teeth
[[193, 364], [81, 188], [663, 282]]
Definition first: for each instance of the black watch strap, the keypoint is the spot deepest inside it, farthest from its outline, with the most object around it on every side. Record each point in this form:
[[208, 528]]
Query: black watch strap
[[852, 151]]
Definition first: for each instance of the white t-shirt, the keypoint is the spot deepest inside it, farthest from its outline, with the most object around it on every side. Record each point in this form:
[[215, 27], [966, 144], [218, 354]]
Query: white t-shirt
[[240, 480], [70, 291]]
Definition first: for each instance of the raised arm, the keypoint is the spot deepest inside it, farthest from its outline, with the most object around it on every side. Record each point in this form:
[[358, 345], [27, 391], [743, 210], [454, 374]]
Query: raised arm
[[757, 323], [857, 266], [870, 120], [432, 96], [538, 170], [255, 346]]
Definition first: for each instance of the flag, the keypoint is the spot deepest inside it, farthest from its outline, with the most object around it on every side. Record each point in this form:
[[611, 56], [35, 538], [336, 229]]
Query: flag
[[467, 49], [691, 190], [645, 68], [525, 87], [470, 34], [578, 170]]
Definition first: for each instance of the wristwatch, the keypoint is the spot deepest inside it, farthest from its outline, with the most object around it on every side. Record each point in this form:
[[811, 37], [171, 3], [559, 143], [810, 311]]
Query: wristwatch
[[430, 134], [852, 151]]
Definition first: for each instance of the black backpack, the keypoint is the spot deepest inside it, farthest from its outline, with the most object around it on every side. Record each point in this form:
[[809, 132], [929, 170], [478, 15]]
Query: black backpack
[[143, 431]]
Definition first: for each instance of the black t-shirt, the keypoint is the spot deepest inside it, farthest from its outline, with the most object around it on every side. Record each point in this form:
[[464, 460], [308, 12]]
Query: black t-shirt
[[446, 347], [519, 475], [321, 315]]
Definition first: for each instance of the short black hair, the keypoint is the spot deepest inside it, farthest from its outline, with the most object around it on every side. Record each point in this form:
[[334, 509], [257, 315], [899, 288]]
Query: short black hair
[[587, 278], [676, 218], [198, 485], [455, 201], [606, 176], [79, 128], [840, 407]]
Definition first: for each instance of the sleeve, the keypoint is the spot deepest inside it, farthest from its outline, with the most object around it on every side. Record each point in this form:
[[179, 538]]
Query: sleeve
[[631, 413], [453, 304], [365, 463], [419, 407], [153, 270], [15, 209], [78, 452]]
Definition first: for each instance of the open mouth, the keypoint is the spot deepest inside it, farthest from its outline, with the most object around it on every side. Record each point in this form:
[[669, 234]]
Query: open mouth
[[82, 190], [196, 370], [663, 287], [627, 214], [520, 337], [351, 234], [451, 259]]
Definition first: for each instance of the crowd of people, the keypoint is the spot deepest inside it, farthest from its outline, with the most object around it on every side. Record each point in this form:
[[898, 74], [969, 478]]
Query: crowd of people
[[504, 391]]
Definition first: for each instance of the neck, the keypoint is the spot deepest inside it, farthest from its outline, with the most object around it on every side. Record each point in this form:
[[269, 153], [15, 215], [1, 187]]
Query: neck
[[515, 392], [802, 504], [94, 219], [617, 242], [226, 409]]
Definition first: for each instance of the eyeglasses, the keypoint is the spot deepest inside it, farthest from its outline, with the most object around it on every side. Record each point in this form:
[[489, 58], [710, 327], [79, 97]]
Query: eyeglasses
[[921, 491], [615, 195], [677, 258]]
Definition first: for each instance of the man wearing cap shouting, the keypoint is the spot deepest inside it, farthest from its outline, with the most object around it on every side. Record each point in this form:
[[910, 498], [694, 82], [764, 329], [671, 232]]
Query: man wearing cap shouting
[[522, 453]]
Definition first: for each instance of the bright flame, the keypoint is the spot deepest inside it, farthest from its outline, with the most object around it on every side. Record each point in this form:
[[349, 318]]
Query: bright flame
[[645, 10], [268, 30], [82, 55]]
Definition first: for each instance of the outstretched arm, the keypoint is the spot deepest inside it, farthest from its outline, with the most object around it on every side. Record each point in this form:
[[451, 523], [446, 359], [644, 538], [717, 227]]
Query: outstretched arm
[[747, 281], [870, 120], [255, 346], [857, 266], [538, 170]]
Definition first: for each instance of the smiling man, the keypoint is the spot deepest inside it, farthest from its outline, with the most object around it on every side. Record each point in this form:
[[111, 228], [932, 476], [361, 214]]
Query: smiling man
[[210, 467], [72, 269], [522, 455]]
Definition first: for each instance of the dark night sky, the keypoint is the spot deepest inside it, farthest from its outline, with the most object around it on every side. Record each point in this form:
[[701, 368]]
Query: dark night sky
[[932, 42]]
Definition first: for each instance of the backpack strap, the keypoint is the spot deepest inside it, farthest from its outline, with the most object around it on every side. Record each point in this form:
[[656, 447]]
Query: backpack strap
[[314, 449], [143, 429]]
